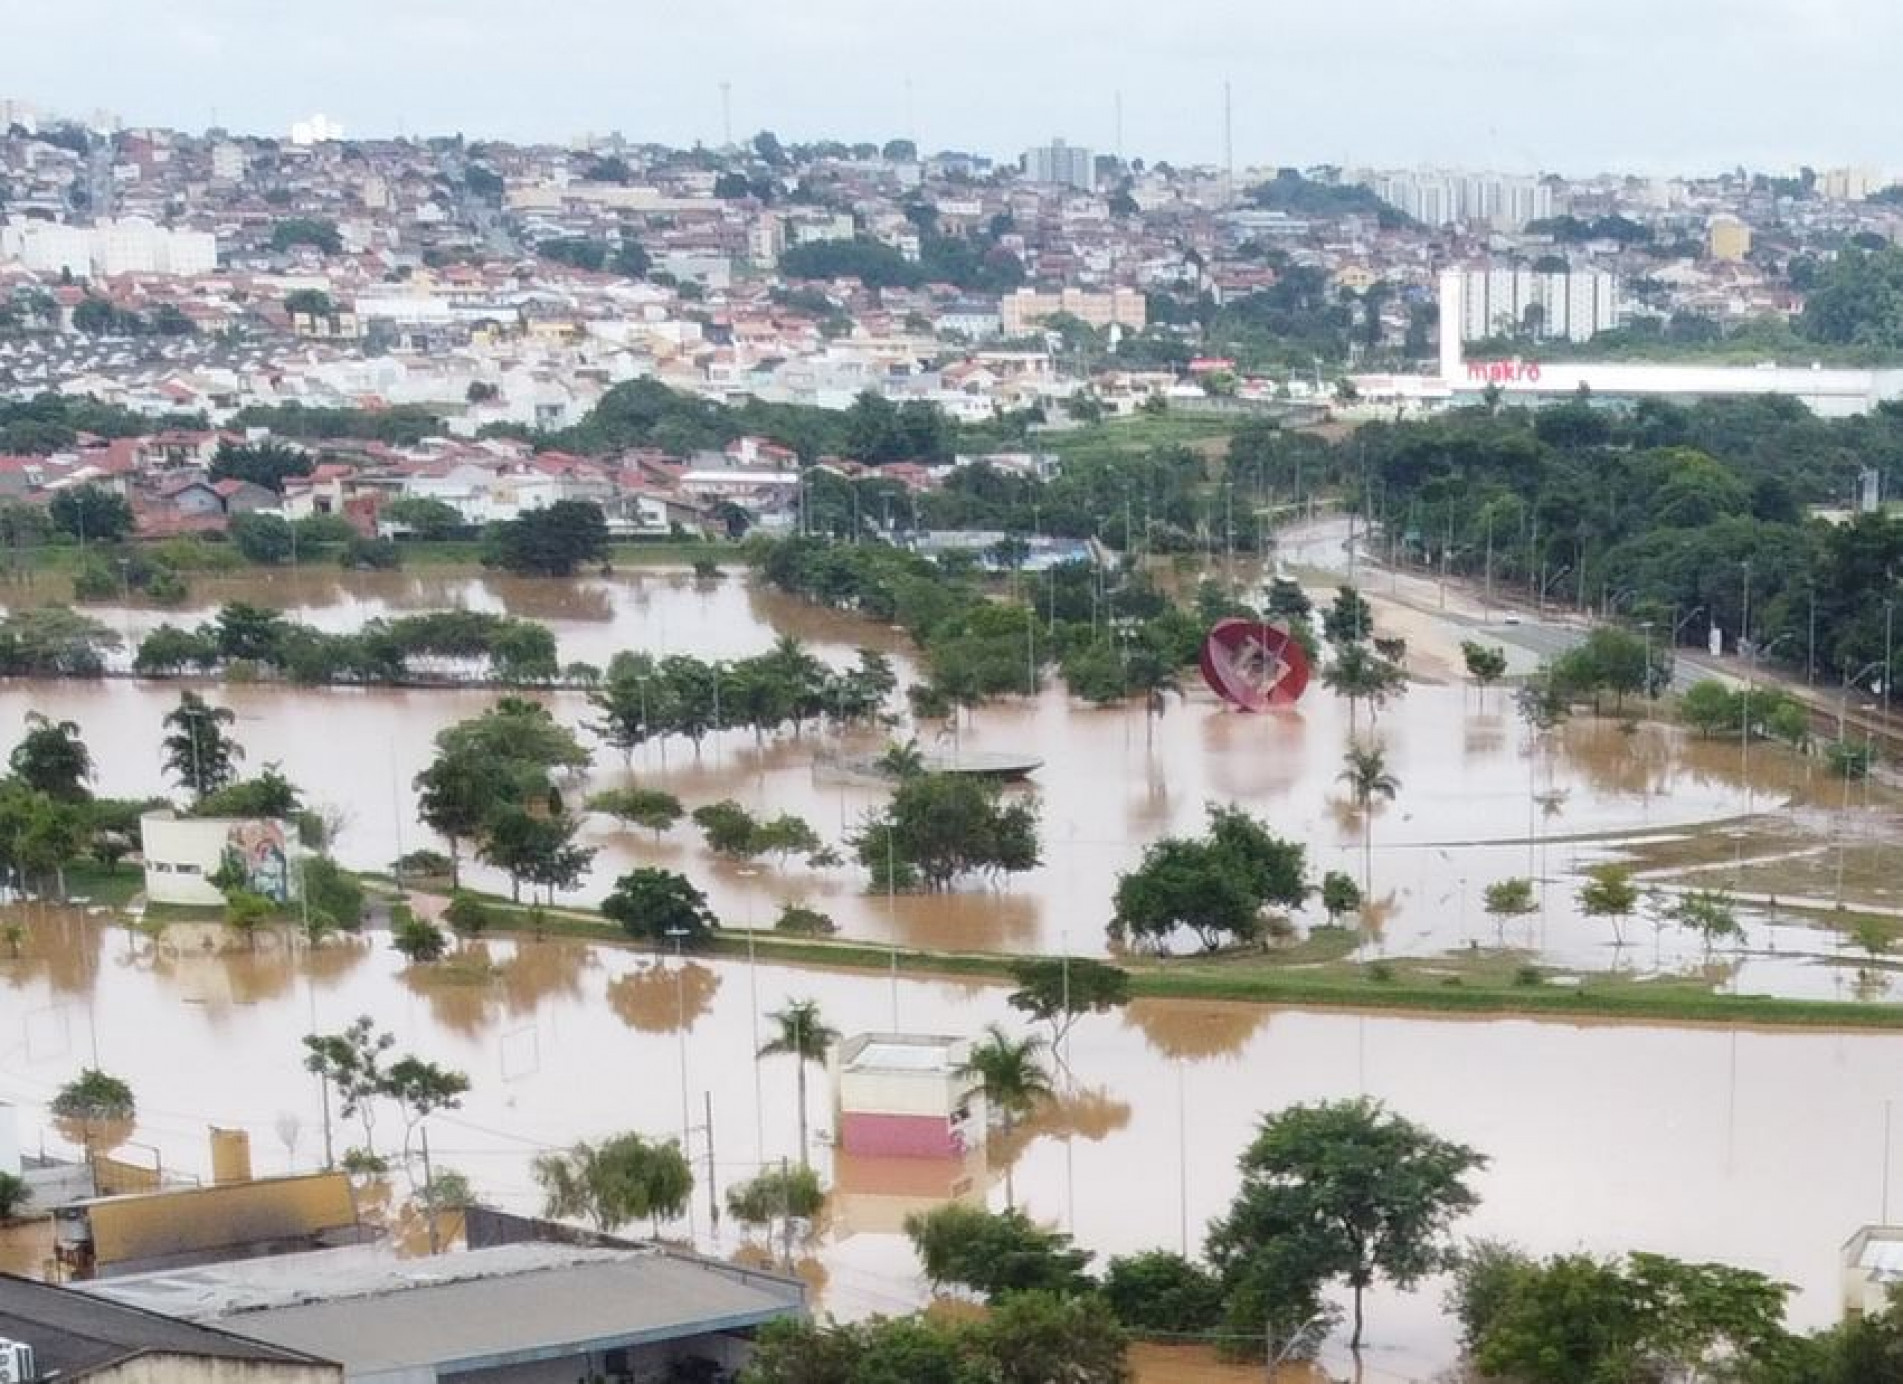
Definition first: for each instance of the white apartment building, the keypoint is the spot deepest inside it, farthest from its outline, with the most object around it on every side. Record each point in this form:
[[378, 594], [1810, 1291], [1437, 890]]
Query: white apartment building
[[319, 129], [1560, 306], [1850, 184], [1067, 165], [1503, 202], [131, 246], [227, 162]]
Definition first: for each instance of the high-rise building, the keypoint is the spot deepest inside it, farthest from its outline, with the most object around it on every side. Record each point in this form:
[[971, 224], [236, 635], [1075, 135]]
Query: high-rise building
[[1849, 184], [228, 161], [319, 129], [1571, 306], [1067, 165], [1503, 202], [131, 246]]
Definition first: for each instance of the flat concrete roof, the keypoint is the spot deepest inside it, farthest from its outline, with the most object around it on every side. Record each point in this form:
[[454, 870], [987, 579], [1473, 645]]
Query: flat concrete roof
[[511, 1304], [902, 1052]]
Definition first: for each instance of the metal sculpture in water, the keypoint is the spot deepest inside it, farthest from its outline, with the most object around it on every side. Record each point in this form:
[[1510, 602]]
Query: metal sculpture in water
[[1254, 664]]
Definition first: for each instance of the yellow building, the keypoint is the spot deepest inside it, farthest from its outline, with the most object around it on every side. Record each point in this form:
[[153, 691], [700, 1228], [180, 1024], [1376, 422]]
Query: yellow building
[[1728, 239]]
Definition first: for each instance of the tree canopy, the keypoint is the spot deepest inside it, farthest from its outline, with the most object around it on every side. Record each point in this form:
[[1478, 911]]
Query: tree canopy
[[1341, 1191], [1216, 886]]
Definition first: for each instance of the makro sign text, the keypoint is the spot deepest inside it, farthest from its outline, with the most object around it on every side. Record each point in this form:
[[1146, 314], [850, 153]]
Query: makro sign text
[[1503, 372]]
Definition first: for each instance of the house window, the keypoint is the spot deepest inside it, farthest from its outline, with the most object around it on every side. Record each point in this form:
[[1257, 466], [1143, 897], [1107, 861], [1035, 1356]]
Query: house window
[[158, 867], [190, 870]]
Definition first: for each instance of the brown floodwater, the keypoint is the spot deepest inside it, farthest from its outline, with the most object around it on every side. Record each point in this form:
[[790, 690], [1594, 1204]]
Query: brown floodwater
[[1476, 803], [1761, 1149]]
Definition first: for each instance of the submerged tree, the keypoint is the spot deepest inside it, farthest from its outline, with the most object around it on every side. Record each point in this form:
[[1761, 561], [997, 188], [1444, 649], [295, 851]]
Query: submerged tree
[[1061, 990], [1610, 893], [52, 759], [1216, 886], [616, 1181], [199, 753], [1344, 1190]]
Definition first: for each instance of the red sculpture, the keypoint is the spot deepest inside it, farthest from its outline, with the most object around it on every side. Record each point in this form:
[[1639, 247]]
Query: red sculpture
[[1254, 664]]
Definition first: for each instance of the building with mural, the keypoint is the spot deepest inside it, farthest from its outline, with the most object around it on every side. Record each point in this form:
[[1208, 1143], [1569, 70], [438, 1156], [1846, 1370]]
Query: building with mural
[[183, 856]]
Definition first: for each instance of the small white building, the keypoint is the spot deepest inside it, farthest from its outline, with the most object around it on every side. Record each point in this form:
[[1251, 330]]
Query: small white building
[[1873, 1269], [903, 1095], [182, 854]]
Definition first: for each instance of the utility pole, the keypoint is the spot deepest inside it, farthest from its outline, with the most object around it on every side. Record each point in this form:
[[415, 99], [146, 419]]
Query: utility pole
[[429, 1195], [786, 1219], [707, 1117]]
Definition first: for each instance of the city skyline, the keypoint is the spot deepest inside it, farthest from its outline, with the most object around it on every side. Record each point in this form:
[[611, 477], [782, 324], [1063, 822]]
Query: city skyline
[[1777, 84]]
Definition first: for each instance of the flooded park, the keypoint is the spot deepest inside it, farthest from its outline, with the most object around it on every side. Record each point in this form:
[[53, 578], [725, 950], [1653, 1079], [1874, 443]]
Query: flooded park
[[1761, 1148], [1479, 799]]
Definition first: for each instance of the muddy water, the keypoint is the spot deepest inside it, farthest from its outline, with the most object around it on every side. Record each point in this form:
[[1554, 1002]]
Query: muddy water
[[593, 618], [1688, 1142], [1477, 800]]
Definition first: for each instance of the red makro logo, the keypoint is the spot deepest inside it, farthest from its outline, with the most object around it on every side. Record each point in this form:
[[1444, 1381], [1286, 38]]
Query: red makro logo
[[1503, 371]]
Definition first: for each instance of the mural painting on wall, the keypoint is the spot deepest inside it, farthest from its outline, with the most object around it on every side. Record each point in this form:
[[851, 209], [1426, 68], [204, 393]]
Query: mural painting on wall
[[261, 856]]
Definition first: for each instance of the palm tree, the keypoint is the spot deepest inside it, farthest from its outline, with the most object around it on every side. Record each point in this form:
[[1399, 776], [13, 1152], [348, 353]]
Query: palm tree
[[1365, 772], [1010, 1071], [1014, 1080], [804, 1037]]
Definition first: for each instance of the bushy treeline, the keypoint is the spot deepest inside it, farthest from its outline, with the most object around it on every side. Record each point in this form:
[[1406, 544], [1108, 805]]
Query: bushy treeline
[[1678, 515], [499, 648]]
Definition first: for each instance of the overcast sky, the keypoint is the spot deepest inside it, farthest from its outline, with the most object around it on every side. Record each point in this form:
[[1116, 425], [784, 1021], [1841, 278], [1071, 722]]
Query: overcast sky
[[1572, 86]]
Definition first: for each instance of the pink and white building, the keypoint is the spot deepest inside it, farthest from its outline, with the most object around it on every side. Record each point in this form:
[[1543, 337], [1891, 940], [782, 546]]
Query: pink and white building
[[901, 1096]]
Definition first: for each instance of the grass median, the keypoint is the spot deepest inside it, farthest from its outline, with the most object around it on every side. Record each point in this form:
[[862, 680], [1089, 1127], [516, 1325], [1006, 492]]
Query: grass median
[[1313, 974]]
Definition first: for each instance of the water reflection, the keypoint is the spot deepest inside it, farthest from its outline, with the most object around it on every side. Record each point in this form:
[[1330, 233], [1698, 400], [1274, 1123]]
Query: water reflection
[[223, 973], [58, 945], [1195, 1032], [470, 990], [663, 998]]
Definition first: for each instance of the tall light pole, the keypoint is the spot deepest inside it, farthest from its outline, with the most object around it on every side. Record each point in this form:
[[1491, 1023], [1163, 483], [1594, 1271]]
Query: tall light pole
[[892, 937], [680, 1031], [753, 1014]]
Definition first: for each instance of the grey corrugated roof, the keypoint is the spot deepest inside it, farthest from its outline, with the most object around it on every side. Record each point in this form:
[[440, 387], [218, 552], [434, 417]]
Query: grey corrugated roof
[[73, 1334], [495, 1306]]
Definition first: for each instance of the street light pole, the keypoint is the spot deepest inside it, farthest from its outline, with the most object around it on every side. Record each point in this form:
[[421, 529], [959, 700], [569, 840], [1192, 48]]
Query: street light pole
[[680, 1030], [753, 1011]]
